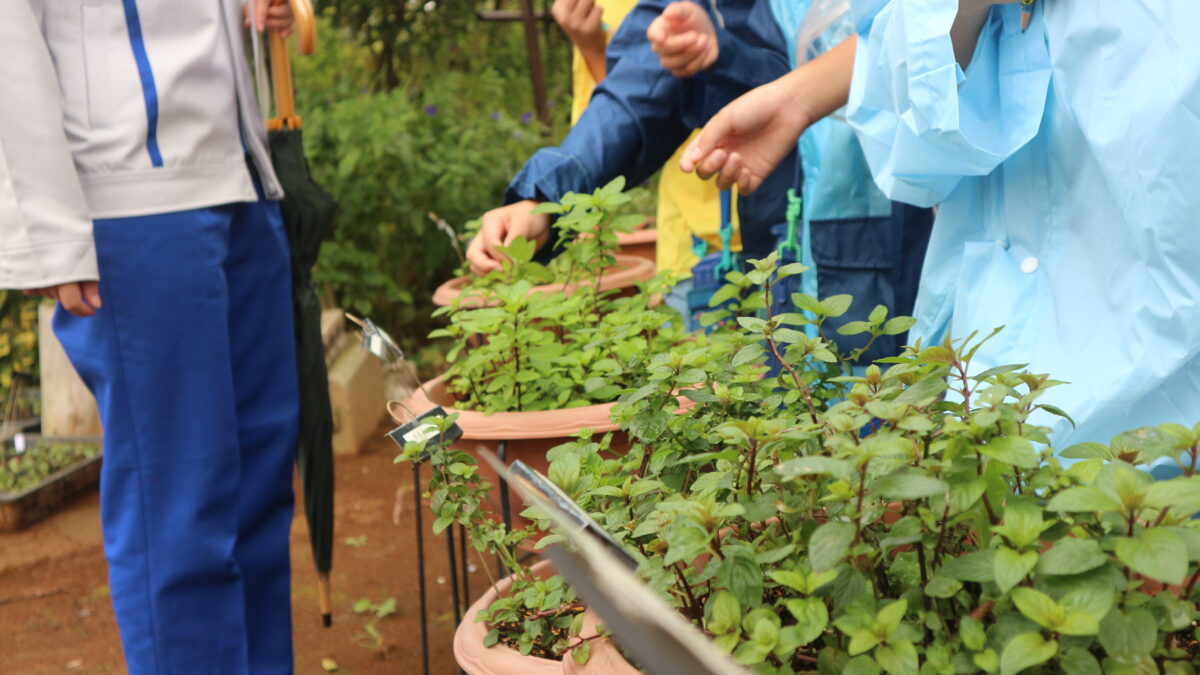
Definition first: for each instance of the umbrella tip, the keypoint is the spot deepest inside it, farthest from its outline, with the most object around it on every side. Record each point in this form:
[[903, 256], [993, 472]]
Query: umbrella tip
[[327, 620]]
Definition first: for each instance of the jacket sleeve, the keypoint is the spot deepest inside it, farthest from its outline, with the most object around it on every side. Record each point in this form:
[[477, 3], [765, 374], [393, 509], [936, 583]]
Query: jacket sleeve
[[924, 124], [748, 58], [640, 114], [45, 229], [631, 126]]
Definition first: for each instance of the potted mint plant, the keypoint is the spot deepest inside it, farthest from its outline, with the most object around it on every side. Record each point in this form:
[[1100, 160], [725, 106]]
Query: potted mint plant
[[906, 519], [533, 368]]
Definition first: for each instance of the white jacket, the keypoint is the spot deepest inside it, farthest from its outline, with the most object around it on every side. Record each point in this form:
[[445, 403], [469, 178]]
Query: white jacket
[[116, 108]]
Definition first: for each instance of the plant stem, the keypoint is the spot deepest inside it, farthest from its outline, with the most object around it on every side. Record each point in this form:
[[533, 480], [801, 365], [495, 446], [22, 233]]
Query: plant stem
[[750, 471], [1161, 516], [803, 388], [966, 387], [937, 550], [1191, 583], [981, 611], [692, 605], [924, 575], [987, 503]]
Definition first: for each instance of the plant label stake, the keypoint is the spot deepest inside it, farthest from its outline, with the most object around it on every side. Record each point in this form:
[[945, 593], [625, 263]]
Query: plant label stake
[[530, 483], [379, 343], [422, 429]]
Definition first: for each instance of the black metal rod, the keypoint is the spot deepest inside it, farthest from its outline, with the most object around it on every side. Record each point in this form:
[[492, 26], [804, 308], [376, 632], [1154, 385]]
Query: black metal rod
[[466, 565], [505, 509], [454, 598], [421, 567]]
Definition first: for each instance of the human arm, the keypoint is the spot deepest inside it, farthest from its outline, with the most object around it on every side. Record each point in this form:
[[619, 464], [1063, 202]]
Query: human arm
[[46, 242], [747, 139], [640, 114], [581, 20]]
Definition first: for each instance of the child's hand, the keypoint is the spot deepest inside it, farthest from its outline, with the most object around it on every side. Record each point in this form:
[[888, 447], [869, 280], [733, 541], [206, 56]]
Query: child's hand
[[81, 298], [499, 227], [580, 20], [684, 39], [269, 15], [747, 139]]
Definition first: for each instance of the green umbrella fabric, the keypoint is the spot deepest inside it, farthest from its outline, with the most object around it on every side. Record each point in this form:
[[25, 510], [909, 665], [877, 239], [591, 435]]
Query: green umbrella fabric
[[308, 213]]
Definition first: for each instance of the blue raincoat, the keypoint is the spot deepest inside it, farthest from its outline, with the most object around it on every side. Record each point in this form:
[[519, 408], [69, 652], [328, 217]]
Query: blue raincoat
[[640, 114], [855, 240], [1064, 161]]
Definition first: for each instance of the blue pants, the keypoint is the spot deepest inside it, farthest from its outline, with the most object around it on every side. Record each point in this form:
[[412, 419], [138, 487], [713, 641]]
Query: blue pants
[[192, 361]]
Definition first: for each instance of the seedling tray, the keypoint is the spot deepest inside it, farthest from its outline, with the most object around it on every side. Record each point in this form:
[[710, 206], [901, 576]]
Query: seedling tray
[[19, 510]]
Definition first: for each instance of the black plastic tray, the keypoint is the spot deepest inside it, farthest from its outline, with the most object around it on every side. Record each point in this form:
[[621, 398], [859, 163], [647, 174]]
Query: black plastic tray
[[19, 510]]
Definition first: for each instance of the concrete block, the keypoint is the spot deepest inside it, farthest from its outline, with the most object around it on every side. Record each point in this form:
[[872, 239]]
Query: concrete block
[[68, 407], [356, 392]]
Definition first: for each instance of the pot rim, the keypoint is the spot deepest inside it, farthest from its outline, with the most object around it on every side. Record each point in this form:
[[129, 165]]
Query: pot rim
[[629, 270], [502, 426]]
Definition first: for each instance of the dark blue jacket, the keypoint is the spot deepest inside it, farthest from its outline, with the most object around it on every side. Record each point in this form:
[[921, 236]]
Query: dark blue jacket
[[640, 114]]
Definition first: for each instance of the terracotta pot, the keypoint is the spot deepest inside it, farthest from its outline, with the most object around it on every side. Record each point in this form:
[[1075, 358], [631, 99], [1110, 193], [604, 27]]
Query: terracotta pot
[[529, 434], [476, 659], [629, 270], [605, 658], [641, 243]]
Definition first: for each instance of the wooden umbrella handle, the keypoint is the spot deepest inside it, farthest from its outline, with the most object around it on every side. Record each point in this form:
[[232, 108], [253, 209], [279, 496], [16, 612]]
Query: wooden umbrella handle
[[281, 65]]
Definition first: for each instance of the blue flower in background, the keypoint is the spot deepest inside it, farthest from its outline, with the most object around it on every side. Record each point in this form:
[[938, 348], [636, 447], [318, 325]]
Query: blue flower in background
[[526, 118], [431, 110], [496, 116]]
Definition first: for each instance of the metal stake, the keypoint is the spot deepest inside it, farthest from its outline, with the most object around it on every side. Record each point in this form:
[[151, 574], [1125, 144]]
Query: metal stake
[[421, 568]]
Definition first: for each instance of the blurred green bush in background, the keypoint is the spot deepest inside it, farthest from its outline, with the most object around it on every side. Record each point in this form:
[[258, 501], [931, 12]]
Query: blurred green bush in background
[[411, 109]]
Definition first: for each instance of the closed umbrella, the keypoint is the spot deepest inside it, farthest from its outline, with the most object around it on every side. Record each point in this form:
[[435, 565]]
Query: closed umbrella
[[308, 213]]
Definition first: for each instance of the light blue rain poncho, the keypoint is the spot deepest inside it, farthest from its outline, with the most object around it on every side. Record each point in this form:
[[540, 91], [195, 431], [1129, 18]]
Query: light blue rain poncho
[[1065, 162]]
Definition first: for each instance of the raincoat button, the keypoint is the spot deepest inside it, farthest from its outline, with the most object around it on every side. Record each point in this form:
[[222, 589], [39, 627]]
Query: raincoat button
[[1029, 265]]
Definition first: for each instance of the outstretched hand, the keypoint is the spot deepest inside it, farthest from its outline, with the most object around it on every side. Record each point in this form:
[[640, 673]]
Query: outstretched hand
[[499, 227], [744, 142], [81, 298], [684, 38]]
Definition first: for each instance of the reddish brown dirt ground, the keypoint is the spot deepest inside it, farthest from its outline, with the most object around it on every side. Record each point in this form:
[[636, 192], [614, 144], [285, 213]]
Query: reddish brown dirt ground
[[56, 616]]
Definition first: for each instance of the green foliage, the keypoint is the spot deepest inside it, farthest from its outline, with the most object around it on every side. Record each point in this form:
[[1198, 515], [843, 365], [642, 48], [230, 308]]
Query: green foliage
[[907, 518], [534, 616], [447, 142], [411, 43], [370, 637], [22, 470], [18, 348], [568, 344], [900, 520], [391, 160]]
